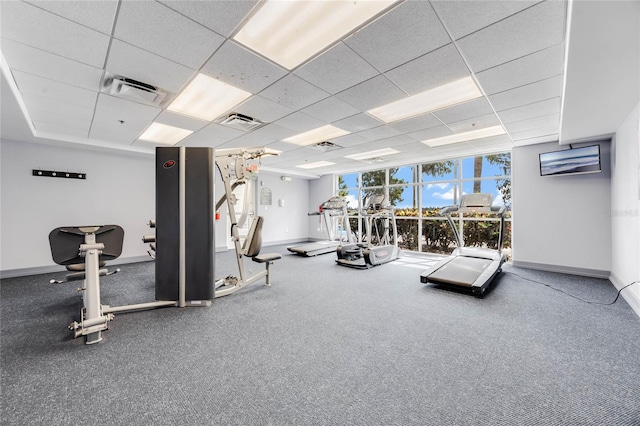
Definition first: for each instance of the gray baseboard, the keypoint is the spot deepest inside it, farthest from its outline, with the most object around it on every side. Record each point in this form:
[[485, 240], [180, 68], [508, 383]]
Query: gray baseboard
[[48, 269], [595, 273], [631, 294]]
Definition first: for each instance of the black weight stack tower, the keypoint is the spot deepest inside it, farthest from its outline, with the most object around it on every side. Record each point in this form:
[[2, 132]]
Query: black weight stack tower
[[185, 225]]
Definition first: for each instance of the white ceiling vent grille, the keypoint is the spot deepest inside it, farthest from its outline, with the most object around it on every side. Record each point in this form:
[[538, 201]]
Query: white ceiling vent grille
[[326, 146], [134, 90], [374, 160], [240, 121]]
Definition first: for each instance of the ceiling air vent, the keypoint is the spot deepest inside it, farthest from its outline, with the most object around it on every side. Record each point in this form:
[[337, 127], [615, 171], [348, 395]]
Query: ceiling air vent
[[242, 122], [134, 90], [326, 146], [374, 160]]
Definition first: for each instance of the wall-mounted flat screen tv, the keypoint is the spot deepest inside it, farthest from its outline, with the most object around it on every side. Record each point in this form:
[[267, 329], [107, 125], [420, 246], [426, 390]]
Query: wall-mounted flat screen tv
[[585, 159]]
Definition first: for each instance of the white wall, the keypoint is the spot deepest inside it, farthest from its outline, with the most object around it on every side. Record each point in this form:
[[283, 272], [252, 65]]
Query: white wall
[[320, 190], [287, 223], [561, 223], [119, 190], [625, 208]]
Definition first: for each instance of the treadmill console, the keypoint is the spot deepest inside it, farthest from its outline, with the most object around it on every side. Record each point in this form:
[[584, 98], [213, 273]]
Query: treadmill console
[[476, 200]]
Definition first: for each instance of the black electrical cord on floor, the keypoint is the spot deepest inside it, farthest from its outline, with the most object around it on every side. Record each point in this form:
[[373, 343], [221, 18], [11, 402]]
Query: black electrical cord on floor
[[571, 295]]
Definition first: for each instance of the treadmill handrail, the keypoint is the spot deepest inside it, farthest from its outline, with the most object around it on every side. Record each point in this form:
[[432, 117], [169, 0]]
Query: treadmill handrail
[[448, 209], [497, 210]]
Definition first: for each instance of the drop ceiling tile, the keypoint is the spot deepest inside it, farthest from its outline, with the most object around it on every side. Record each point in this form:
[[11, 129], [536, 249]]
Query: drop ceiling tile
[[454, 150], [284, 147], [537, 109], [34, 102], [436, 68], [544, 122], [495, 143], [263, 109], [380, 132], [59, 130], [529, 31], [114, 132], [412, 150], [465, 17], [536, 140], [299, 122], [297, 155], [293, 92], [431, 133], [407, 31], [414, 124], [110, 109], [178, 120], [160, 30], [358, 123], [464, 111], [330, 109], [474, 123], [350, 140], [336, 70], [240, 68], [31, 84], [248, 140], [276, 132], [98, 15], [42, 116], [539, 132], [221, 16], [35, 27], [527, 94], [529, 69], [371, 93], [44, 64], [132, 62], [395, 142], [212, 135]]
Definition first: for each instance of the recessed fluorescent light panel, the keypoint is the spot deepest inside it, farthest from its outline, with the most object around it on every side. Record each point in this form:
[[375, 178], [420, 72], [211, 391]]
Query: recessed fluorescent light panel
[[372, 154], [437, 98], [315, 165], [161, 133], [290, 32], [466, 136], [319, 134], [207, 98]]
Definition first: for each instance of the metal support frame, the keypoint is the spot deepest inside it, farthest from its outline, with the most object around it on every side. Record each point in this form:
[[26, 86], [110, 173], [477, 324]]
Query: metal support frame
[[234, 162]]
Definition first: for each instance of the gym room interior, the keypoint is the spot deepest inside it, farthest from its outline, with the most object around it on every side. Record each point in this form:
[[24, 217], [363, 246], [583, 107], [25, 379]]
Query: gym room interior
[[422, 101]]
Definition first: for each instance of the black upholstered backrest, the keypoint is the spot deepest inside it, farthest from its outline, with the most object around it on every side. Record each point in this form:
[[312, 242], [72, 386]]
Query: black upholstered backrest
[[253, 242]]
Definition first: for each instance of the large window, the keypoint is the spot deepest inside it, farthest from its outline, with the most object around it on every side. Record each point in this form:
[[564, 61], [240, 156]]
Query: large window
[[418, 192]]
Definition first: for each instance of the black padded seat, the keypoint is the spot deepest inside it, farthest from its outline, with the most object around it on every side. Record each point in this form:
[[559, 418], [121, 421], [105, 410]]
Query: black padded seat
[[266, 257]]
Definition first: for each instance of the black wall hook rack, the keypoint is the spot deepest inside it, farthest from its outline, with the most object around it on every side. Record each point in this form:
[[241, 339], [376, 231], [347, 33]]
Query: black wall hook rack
[[58, 174]]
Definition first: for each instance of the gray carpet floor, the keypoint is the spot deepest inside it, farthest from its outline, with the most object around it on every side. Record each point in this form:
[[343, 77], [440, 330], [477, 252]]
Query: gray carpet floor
[[325, 345]]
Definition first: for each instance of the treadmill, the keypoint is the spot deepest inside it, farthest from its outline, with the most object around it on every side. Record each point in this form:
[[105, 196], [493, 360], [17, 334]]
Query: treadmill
[[469, 268], [334, 207]]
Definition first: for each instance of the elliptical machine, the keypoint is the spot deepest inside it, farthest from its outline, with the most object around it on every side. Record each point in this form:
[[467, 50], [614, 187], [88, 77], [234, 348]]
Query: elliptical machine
[[380, 222]]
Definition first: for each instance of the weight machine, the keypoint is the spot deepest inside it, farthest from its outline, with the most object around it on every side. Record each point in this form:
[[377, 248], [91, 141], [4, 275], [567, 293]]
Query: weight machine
[[235, 171], [183, 245]]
